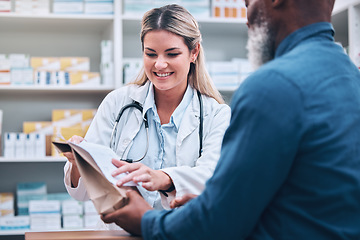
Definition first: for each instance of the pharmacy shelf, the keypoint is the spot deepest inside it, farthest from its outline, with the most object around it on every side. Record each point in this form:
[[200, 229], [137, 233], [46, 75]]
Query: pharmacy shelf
[[223, 39], [47, 89], [37, 159], [60, 22]]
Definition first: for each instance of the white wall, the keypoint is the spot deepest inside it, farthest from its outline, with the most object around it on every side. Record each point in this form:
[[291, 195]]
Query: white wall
[[342, 4]]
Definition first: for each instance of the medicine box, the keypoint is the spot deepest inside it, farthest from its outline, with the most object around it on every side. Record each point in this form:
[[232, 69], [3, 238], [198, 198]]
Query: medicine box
[[91, 221], [99, 7], [68, 6], [84, 78], [75, 64], [22, 76], [5, 6], [89, 208], [9, 144], [44, 207], [27, 191], [45, 63], [45, 222], [14, 223], [44, 127], [73, 221], [7, 204], [72, 207]]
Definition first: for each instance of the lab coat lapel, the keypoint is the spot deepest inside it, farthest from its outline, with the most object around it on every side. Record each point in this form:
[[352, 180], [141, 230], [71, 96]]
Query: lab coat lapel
[[131, 121], [190, 121]]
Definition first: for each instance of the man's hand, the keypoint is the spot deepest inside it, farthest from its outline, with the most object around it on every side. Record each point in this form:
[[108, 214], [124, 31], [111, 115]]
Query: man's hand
[[179, 201], [151, 180], [129, 217]]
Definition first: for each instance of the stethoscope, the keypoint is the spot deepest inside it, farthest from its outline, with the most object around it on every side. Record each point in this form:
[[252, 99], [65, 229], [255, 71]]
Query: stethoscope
[[137, 105]]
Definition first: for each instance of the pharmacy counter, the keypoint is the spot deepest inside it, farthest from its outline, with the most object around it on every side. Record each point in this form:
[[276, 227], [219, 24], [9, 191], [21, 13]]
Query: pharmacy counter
[[80, 235]]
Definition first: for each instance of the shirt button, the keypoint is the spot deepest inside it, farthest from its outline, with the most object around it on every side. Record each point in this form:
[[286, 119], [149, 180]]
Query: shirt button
[[126, 141]]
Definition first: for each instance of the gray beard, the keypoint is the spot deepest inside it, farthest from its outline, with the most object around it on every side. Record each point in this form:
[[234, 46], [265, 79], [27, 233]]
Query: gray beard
[[259, 45]]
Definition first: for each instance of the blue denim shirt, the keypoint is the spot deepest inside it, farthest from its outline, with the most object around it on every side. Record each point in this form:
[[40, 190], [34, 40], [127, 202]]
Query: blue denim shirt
[[290, 159]]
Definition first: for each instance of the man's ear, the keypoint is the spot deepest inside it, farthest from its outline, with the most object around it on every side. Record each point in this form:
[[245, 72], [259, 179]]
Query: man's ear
[[277, 3]]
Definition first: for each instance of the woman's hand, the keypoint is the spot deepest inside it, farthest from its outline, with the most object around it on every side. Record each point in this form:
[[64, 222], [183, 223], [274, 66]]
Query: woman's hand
[[75, 175], [69, 155], [152, 180]]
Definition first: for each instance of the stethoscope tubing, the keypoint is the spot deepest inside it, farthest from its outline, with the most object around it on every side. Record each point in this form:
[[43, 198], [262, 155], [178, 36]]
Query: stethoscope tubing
[[140, 108]]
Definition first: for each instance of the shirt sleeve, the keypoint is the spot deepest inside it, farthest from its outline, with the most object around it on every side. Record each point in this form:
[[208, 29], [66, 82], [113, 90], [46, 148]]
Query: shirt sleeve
[[79, 193], [257, 154]]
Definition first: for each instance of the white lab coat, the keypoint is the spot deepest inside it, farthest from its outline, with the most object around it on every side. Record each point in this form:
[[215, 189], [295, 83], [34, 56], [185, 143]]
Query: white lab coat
[[191, 172]]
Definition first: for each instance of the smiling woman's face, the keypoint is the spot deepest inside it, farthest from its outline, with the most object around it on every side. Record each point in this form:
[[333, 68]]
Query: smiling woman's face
[[167, 60]]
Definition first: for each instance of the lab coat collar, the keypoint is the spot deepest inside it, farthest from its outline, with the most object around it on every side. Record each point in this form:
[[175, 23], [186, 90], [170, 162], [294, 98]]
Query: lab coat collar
[[191, 118], [141, 94]]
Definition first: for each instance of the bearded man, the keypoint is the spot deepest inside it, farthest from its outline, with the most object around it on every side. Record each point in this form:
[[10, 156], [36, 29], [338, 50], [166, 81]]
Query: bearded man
[[290, 160]]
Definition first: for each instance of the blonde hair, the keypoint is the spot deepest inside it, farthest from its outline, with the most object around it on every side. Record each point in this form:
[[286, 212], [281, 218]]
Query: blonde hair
[[178, 20]]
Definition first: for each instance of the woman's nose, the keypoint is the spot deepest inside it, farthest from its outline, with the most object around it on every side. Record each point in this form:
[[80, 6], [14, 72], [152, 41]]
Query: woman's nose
[[160, 63]]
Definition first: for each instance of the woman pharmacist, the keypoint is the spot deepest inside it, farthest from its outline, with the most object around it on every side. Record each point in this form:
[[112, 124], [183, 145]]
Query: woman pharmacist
[[173, 128]]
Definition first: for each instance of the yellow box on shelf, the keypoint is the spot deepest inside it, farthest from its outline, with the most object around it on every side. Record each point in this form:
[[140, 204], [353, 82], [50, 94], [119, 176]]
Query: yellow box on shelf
[[84, 78], [38, 127], [7, 204], [45, 63], [69, 122], [75, 64]]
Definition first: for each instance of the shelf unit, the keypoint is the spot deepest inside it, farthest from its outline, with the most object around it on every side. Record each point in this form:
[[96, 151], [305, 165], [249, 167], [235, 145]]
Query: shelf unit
[[80, 35], [346, 22]]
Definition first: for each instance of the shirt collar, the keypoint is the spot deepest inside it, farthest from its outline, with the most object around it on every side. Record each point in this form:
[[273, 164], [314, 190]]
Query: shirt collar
[[177, 115], [150, 100], [323, 28]]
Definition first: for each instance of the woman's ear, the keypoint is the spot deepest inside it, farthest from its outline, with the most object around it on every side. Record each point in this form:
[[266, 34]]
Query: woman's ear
[[195, 52]]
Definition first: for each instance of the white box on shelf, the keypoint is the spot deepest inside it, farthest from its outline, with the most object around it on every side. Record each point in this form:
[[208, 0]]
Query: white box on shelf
[[19, 60], [107, 74], [22, 76], [72, 207], [99, 7], [137, 7], [73, 221], [9, 144], [68, 6], [14, 223], [44, 207], [30, 145], [91, 221], [106, 51], [40, 145], [5, 6], [42, 78], [224, 73], [20, 145], [89, 208], [45, 221], [131, 68]]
